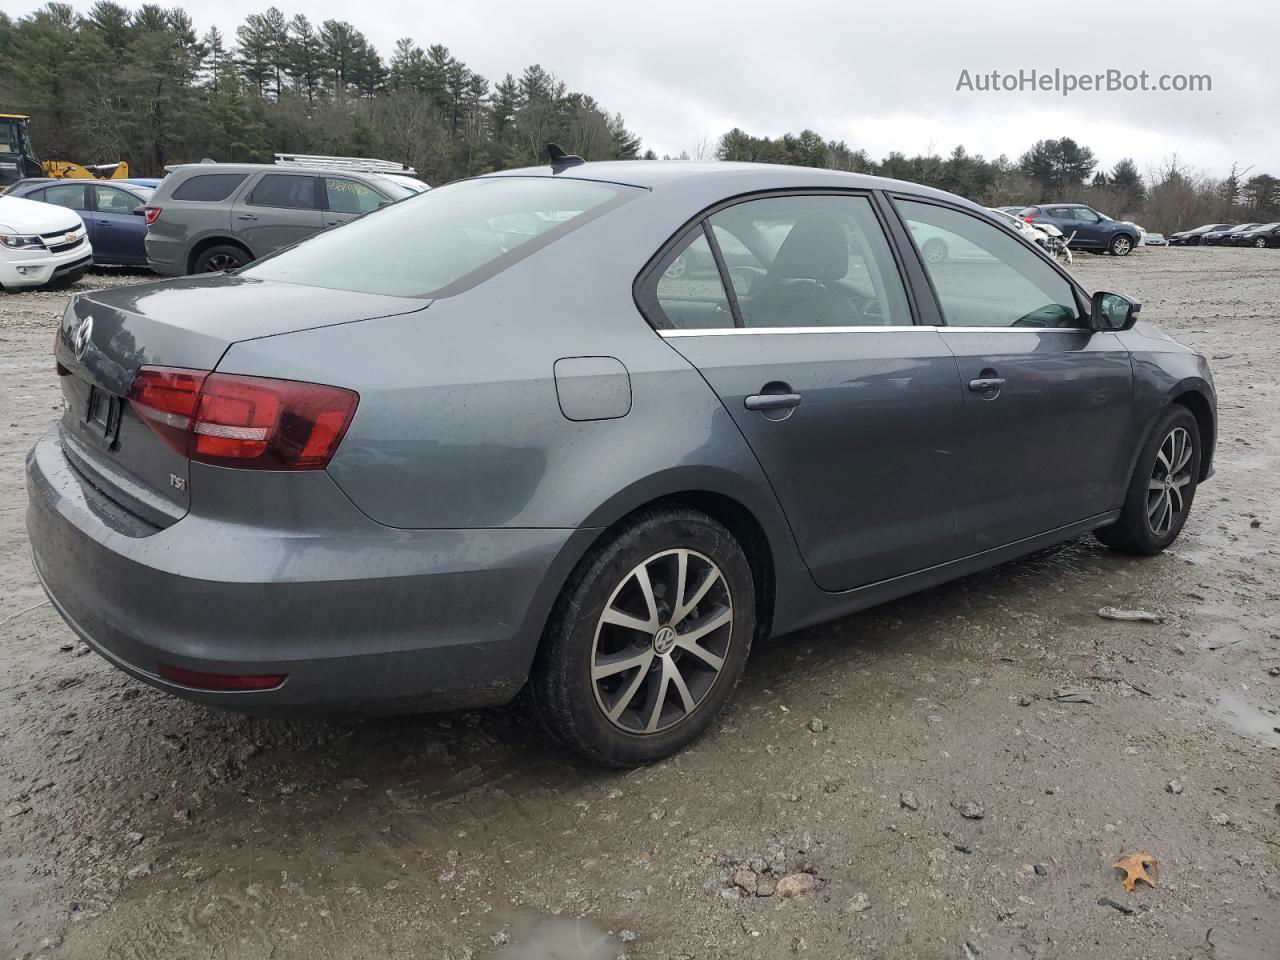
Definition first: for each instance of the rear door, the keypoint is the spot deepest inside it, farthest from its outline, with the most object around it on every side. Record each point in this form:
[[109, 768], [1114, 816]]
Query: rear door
[[1047, 402], [852, 409], [345, 199], [276, 210], [121, 232]]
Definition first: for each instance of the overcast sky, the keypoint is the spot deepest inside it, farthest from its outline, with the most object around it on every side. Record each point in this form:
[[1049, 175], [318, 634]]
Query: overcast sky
[[880, 76]]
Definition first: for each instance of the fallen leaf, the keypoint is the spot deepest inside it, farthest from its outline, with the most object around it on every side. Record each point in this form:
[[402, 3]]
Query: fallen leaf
[[1135, 869]]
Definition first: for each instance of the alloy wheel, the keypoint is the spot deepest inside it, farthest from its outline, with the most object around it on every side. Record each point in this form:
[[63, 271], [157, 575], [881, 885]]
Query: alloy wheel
[[661, 642], [222, 261], [1166, 499], [679, 266], [1120, 247], [1260, 243]]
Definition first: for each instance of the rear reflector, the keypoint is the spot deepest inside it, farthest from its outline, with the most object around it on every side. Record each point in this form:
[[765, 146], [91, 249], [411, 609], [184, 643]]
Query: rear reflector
[[151, 214], [237, 421], [220, 681]]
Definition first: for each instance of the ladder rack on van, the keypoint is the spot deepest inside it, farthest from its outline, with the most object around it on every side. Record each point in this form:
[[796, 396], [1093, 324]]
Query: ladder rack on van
[[353, 164]]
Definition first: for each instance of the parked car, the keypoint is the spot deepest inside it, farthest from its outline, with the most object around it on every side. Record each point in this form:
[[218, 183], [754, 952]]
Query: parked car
[[207, 217], [402, 466], [1216, 237], [1018, 225], [1156, 240], [1087, 228], [111, 210], [1261, 235], [1192, 238], [40, 244], [149, 182]]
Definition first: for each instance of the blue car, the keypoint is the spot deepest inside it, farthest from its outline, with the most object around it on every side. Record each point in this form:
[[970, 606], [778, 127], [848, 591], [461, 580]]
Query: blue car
[[112, 212]]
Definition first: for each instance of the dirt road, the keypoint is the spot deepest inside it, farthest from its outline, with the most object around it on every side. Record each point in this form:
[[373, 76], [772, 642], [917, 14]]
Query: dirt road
[[911, 760]]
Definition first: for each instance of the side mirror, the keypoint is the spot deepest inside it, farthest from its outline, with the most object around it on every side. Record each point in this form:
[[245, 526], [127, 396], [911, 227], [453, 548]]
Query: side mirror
[[1110, 311], [139, 211]]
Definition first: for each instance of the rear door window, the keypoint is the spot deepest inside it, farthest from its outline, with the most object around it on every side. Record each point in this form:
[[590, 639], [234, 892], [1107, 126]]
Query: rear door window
[[350, 196], [443, 241], [69, 195], [811, 261], [290, 191], [208, 187], [689, 294]]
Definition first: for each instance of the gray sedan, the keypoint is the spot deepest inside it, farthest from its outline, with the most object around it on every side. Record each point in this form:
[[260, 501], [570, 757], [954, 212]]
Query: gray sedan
[[429, 460]]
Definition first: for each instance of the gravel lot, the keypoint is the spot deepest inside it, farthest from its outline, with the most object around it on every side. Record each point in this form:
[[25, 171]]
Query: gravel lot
[[911, 763]]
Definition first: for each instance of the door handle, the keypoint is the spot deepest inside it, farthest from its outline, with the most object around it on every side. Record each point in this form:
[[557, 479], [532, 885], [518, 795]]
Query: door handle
[[772, 401], [332, 223], [104, 223], [246, 216], [983, 384]]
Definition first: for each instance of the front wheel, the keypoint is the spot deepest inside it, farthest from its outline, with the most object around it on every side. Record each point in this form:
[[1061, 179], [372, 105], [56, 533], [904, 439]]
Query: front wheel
[[648, 640], [1163, 486], [1121, 245], [935, 250], [1260, 242]]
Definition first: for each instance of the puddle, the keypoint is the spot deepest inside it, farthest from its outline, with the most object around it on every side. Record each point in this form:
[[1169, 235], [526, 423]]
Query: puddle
[[1243, 717]]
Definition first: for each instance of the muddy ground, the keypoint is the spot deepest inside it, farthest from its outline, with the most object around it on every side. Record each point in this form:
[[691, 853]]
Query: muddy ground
[[138, 826]]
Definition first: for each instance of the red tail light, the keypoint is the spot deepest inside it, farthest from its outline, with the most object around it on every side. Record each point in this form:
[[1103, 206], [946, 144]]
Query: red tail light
[[1031, 217], [236, 421], [151, 214]]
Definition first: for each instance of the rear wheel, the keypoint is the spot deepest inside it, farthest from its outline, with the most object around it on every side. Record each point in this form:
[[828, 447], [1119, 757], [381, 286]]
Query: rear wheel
[[935, 250], [1121, 245], [224, 256], [1162, 488], [648, 640]]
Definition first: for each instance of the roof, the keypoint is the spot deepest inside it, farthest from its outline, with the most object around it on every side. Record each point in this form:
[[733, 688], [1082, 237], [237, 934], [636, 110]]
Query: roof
[[732, 177]]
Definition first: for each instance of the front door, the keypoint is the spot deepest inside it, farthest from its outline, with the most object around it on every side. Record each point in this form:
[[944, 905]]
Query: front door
[[279, 209], [853, 411], [1047, 402], [119, 233], [345, 199]]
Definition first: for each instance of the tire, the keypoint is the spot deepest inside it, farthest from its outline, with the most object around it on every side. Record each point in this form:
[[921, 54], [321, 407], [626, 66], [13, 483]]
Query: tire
[[1145, 528], [1260, 243], [1121, 245], [935, 250], [678, 268], [224, 256], [573, 698]]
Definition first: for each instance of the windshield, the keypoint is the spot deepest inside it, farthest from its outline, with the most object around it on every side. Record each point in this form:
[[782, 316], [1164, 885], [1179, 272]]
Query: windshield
[[441, 242]]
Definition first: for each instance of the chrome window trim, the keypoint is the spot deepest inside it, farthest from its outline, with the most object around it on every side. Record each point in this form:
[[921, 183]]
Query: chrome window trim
[[884, 328]]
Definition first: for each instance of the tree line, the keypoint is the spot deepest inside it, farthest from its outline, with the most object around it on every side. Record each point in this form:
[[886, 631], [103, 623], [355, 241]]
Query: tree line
[[141, 85], [1169, 197]]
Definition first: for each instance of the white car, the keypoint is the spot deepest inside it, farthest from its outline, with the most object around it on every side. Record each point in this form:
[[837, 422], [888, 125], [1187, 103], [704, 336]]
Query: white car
[[41, 243], [1017, 224]]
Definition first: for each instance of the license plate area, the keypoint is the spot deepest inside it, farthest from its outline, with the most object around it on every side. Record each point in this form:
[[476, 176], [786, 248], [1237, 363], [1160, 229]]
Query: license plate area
[[102, 416]]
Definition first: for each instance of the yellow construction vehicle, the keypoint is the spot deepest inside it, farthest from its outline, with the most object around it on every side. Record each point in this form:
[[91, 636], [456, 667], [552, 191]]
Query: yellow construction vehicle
[[18, 159]]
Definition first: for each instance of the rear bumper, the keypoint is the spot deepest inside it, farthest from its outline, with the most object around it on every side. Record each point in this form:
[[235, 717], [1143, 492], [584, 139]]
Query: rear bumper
[[360, 618], [165, 257]]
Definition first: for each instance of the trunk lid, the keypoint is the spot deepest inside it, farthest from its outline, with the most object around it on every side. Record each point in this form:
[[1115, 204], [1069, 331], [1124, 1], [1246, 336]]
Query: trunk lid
[[106, 335]]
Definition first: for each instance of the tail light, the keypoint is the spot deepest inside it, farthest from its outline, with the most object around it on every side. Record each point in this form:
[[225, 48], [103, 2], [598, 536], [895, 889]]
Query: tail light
[[250, 422], [1029, 217], [200, 680], [151, 214]]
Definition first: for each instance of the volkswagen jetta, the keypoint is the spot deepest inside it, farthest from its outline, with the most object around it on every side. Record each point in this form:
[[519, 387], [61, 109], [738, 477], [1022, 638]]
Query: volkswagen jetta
[[484, 440]]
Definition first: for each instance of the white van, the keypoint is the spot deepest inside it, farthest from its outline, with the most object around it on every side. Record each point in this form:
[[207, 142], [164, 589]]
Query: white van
[[41, 243]]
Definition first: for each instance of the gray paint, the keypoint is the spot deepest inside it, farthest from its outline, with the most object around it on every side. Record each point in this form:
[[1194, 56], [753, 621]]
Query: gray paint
[[420, 568]]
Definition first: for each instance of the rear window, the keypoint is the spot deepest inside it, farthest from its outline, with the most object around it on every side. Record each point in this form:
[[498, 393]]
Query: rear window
[[208, 187], [443, 241]]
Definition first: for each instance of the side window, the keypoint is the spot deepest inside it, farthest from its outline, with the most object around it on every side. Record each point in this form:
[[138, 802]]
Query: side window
[[285, 190], [689, 294], [350, 196], [983, 276], [1061, 213], [111, 200], [1085, 214], [208, 187], [811, 261], [69, 195]]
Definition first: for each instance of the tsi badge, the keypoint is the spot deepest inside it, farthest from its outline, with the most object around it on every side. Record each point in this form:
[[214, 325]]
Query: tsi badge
[[177, 482], [80, 339]]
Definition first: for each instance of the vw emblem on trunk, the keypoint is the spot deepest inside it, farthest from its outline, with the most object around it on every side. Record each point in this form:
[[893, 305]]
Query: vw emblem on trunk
[[80, 339]]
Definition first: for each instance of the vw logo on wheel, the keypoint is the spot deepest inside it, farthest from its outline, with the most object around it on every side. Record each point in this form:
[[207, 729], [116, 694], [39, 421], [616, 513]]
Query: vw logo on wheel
[[80, 339]]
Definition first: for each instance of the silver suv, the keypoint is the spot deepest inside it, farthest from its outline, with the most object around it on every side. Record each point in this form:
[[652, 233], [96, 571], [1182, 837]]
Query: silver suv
[[206, 217]]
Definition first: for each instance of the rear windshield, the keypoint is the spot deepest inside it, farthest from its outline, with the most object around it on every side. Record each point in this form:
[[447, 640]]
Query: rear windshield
[[441, 242]]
